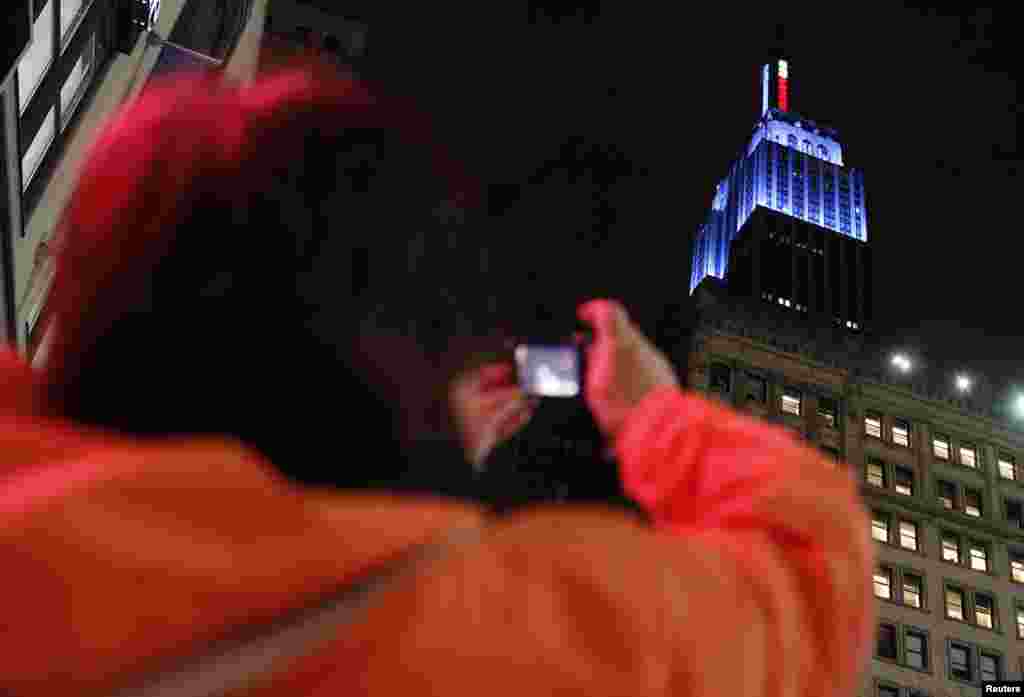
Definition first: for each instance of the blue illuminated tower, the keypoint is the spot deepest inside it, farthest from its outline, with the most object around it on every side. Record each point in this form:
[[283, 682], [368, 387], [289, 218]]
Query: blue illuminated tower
[[789, 186]]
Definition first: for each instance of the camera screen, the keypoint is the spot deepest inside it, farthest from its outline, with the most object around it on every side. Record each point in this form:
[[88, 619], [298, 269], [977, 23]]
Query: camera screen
[[549, 371]]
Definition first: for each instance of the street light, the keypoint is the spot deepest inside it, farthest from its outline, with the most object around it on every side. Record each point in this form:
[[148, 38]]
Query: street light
[[963, 383], [1020, 405], [901, 362]]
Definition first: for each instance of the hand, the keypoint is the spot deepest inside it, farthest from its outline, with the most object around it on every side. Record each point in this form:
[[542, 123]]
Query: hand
[[622, 365], [489, 408]]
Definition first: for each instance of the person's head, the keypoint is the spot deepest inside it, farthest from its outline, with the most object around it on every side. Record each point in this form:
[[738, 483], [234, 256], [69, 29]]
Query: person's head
[[265, 262]]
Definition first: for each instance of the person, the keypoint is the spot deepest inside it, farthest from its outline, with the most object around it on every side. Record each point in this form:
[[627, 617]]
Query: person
[[242, 338]]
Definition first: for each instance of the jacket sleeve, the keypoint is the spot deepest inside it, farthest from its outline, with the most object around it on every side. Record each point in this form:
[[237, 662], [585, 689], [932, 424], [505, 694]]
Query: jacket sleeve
[[782, 526]]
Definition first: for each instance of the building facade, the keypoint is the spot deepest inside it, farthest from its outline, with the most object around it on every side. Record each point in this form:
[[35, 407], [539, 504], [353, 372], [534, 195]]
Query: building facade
[[944, 482], [789, 164], [83, 60]]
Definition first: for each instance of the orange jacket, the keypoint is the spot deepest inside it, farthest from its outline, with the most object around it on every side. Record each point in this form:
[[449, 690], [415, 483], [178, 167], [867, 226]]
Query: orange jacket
[[119, 556]]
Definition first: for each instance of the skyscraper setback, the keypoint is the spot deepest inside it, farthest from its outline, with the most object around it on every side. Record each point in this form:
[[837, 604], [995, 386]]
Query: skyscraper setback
[[794, 167]]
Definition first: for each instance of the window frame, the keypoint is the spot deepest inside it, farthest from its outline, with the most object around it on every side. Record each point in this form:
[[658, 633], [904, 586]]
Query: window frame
[[908, 432], [954, 501], [868, 419], [1000, 660], [823, 414], [969, 651], [895, 658], [948, 588], [969, 491], [973, 449], [939, 437], [985, 548], [993, 610], [1015, 555], [1007, 501], [791, 393], [870, 462], [1004, 458], [917, 534], [896, 469], [970, 605], [925, 637]]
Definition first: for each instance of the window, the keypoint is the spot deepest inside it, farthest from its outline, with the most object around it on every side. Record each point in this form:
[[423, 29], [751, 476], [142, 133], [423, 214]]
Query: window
[[1020, 622], [873, 424], [968, 455], [984, 610], [990, 666], [77, 82], [70, 11], [972, 502], [947, 494], [887, 691], [1014, 514], [887, 642], [950, 547], [1007, 466], [793, 141], [757, 389], [979, 556], [913, 589], [1016, 566], [880, 527], [904, 480], [915, 650], [908, 535], [37, 58], [883, 583], [960, 662], [791, 402], [721, 378], [954, 603], [901, 432], [876, 473], [37, 149], [823, 152], [827, 412], [940, 447]]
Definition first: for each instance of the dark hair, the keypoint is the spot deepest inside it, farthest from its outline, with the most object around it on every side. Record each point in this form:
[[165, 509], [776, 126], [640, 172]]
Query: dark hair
[[227, 249]]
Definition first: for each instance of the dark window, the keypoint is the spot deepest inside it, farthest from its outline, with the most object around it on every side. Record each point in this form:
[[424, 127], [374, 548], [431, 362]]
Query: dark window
[[947, 495], [885, 691], [1014, 513], [721, 377], [757, 389], [972, 502], [887, 641], [904, 480], [990, 666], [960, 662], [827, 412], [916, 649]]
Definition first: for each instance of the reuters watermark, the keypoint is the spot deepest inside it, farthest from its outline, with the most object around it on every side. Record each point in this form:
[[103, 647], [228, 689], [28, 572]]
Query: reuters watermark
[[1002, 687]]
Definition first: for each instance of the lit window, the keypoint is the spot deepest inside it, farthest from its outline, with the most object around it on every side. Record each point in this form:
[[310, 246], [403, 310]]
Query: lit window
[[37, 58], [1007, 466], [38, 148], [912, 589], [904, 481], [1020, 622], [990, 667], [947, 495], [77, 82], [960, 662], [940, 447], [873, 423], [954, 604], [791, 402], [915, 649], [880, 528], [968, 456], [983, 610], [950, 548], [972, 503], [979, 557], [1016, 567], [901, 433], [827, 411], [883, 583], [876, 474], [908, 535]]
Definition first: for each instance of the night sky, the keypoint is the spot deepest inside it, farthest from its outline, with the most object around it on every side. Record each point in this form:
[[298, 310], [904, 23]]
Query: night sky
[[620, 120]]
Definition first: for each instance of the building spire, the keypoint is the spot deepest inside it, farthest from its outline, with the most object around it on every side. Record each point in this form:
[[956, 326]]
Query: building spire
[[775, 86]]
